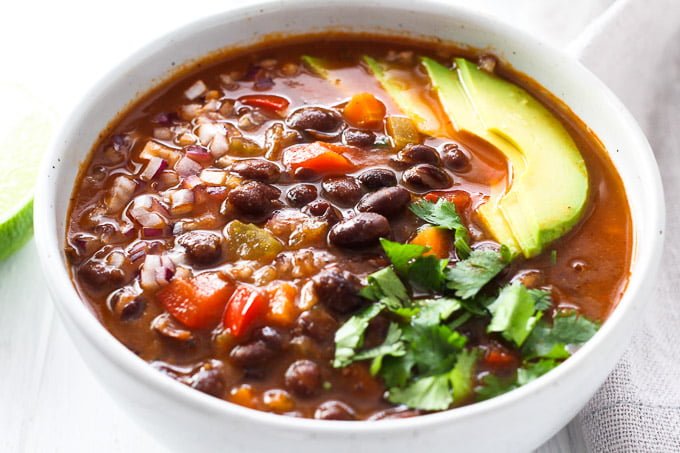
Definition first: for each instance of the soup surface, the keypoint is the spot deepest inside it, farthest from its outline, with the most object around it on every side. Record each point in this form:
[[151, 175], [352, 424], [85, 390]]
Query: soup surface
[[284, 228]]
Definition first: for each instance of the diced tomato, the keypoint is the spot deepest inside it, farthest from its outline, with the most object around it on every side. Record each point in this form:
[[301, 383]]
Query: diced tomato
[[197, 302], [282, 308], [499, 357], [246, 306], [365, 110], [318, 156], [276, 104], [438, 239], [460, 198]]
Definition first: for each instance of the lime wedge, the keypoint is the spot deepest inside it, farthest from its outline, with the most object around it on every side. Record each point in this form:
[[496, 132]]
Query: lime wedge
[[25, 129]]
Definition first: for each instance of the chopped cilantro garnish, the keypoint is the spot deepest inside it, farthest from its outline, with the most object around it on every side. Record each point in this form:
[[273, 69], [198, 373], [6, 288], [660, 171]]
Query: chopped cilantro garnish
[[401, 255], [463, 374], [384, 286], [513, 313], [430, 393], [443, 213], [468, 277], [534, 370], [542, 299], [427, 273], [350, 335], [568, 329], [392, 346]]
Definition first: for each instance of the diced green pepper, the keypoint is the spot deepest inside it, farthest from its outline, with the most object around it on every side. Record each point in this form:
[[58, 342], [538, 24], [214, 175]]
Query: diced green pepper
[[244, 147], [402, 131], [249, 242]]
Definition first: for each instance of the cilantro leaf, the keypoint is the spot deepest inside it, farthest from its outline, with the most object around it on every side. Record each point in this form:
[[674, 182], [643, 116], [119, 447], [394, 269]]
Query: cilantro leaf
[[443, 213], [493, 386], [434, 347], [392, 346], [534, 370], [469, 276], [434, 311], [401, 255], [514, 313], [551, 342], [384, 286], [350, 336], [396, 371], [462, 375], [430, 393], [542, 299], [427, 272]]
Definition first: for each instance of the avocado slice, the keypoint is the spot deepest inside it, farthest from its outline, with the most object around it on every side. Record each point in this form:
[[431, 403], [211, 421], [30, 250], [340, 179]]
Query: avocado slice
[[407, 100], [549, 184]]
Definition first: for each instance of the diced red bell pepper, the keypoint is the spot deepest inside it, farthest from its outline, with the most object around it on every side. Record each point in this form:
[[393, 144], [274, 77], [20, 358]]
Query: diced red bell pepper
[[318, 156], [460, 198], [246, 306], [276, 104], [498, 357], [197, 302]]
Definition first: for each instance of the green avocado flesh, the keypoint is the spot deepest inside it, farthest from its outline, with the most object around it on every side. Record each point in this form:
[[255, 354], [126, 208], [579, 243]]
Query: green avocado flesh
[[549, 182]]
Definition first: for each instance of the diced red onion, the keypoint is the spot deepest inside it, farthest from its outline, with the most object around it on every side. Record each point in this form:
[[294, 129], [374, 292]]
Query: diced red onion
[[120, 194], [165, 118], [156, 271], [145, 210], [115, 259], [181, 201], [195, 90], [153, 168], [219, 145], [198, 153], [153, 232], [153, 149], [187, 167], [168, 178], [136, 250], [207, 131], [192, 182]]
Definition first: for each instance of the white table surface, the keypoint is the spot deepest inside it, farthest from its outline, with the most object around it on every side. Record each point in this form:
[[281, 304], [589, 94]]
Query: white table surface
[[49, 400]]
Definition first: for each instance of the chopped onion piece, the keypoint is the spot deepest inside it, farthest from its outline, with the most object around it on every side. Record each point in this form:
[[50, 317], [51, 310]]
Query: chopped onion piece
[[144, 212], [153, 232], [181, 202], [192, 182], [195, 90], [163, 133], [213, 177], [156, 271], [198, 153], [153, 168], [120, 194], [187, 167], [153, 149], [207, 131], [168, 178], [219, 145], [115, 259]]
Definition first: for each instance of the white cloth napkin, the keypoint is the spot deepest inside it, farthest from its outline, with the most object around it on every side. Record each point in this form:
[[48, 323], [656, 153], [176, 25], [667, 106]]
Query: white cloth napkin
[[635, 49]]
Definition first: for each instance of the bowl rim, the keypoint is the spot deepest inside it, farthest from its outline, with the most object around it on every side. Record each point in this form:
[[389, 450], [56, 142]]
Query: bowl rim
[[69, 304]]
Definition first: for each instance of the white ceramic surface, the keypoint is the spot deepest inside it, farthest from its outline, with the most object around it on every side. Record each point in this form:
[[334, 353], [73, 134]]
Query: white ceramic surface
[[184, 418]]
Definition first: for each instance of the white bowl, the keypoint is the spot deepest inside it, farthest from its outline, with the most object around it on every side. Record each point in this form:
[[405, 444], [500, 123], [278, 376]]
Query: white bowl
[[184, 418]]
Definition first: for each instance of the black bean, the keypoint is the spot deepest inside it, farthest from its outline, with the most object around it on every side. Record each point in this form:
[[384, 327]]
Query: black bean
[[126, 304], [358, 137], [209, 379], [100, 275], [334, 410], [323, 210], [303, 377], [343, 190], [420, 154], [169, 328], [252, 354], [388, 201], [426, 177], [301, 195], [254, 197], [201, 247], [454, 157], [273, 337], [318, 324], [375, 178], [339, 291], [315, 119], [362, 230], [257, 169]]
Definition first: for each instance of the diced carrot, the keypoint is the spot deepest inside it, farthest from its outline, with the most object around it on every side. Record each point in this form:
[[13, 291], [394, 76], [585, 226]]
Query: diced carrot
[[197, 302], [499, 357], [282, 307], [318, 156], [364, 110], [460, 198], [243, 395], [438, 239], [245, 307], [276, 104]]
